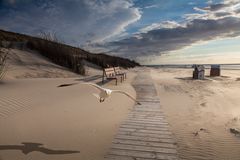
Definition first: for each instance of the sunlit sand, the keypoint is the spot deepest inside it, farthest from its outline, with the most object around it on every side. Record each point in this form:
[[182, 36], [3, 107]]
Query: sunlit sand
[[201, 112]]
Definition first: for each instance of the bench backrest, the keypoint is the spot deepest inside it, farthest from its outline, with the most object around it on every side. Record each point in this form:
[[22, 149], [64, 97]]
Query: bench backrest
[[117, 70], [109, 72]]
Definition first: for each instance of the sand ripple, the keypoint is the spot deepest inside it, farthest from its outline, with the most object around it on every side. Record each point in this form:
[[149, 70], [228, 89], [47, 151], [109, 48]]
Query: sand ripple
[[206, 146], [10, 105]]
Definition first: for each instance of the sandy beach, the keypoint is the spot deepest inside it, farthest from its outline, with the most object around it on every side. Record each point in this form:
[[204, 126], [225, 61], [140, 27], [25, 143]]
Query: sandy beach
[[44, 121], [120, 80], [64, 120], [201, 112]]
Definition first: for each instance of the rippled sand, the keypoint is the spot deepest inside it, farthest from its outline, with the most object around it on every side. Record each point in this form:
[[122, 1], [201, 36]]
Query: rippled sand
[[69, 122], [201, 112]]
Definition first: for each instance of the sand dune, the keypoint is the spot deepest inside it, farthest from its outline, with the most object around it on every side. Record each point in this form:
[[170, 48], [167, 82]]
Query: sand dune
[[30, 64], [201, 112]]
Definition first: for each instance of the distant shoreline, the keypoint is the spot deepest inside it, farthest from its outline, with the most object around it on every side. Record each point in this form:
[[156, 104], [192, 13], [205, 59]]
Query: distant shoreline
[[234, 66]]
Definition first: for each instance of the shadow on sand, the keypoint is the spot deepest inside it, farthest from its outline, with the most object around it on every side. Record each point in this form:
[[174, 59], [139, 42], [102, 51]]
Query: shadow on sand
[[96, 78], [90, 78], [184, 78], [86, 80], [191, 79], [28, 147]]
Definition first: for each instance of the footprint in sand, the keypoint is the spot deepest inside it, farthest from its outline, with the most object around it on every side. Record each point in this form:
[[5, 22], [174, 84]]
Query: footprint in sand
[[204, 104], [200, 130], [233, 124]]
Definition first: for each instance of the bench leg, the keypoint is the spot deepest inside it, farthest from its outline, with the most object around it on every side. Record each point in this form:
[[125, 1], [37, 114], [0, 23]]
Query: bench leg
[[116, 81], [103, 77]]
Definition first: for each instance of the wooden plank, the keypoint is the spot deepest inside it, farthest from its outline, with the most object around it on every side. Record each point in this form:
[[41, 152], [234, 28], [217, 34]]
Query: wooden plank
[[144, 131], [144, 148], [138, 113], [148, 139], [146, 121], [147, 116], [148, 107], [108, 69], [146, 104], [139, 154], [142, 154], [150, 115], [116, 157], [159, 125], [146, 113], [155, 118], [144, 143], [145, 127], [147, 100], [147, 110], [150, 135], [152, 105]]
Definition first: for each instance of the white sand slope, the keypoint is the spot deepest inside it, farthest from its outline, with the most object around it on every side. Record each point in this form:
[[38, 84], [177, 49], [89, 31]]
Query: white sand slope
[[30, 64]]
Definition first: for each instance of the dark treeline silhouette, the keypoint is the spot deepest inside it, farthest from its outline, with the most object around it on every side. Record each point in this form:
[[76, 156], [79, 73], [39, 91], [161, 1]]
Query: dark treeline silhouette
[[65, 55]]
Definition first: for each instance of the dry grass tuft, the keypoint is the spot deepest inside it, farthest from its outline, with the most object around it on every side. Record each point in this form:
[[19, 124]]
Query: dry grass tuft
[[3, 59]]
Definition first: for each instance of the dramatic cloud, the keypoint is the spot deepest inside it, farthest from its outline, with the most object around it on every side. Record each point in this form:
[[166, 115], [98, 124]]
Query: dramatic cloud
[[165, 24], [76, 22], [216, 7], [213, 22], [132, 28]]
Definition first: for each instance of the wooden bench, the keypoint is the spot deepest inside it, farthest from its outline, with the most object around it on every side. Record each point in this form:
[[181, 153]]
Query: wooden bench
[[119, 72], [110, 74]]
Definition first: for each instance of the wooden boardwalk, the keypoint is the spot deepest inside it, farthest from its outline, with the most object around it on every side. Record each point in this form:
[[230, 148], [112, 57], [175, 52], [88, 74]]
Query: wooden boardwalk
[[145, 134]]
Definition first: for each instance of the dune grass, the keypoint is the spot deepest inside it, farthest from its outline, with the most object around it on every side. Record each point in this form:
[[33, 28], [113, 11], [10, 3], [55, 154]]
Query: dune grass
[[3, 58], [65, 55]]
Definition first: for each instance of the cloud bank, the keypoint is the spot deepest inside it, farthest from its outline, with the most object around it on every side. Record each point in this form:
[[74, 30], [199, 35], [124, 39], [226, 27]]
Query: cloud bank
[[103, 25], [76, 22], [215, 21]]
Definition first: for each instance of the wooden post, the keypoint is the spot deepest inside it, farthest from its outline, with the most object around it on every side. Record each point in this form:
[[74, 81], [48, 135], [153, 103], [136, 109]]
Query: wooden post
[[103, 76]]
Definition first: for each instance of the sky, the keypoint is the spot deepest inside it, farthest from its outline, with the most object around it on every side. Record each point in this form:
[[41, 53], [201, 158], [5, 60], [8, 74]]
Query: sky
[[148, 31]]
